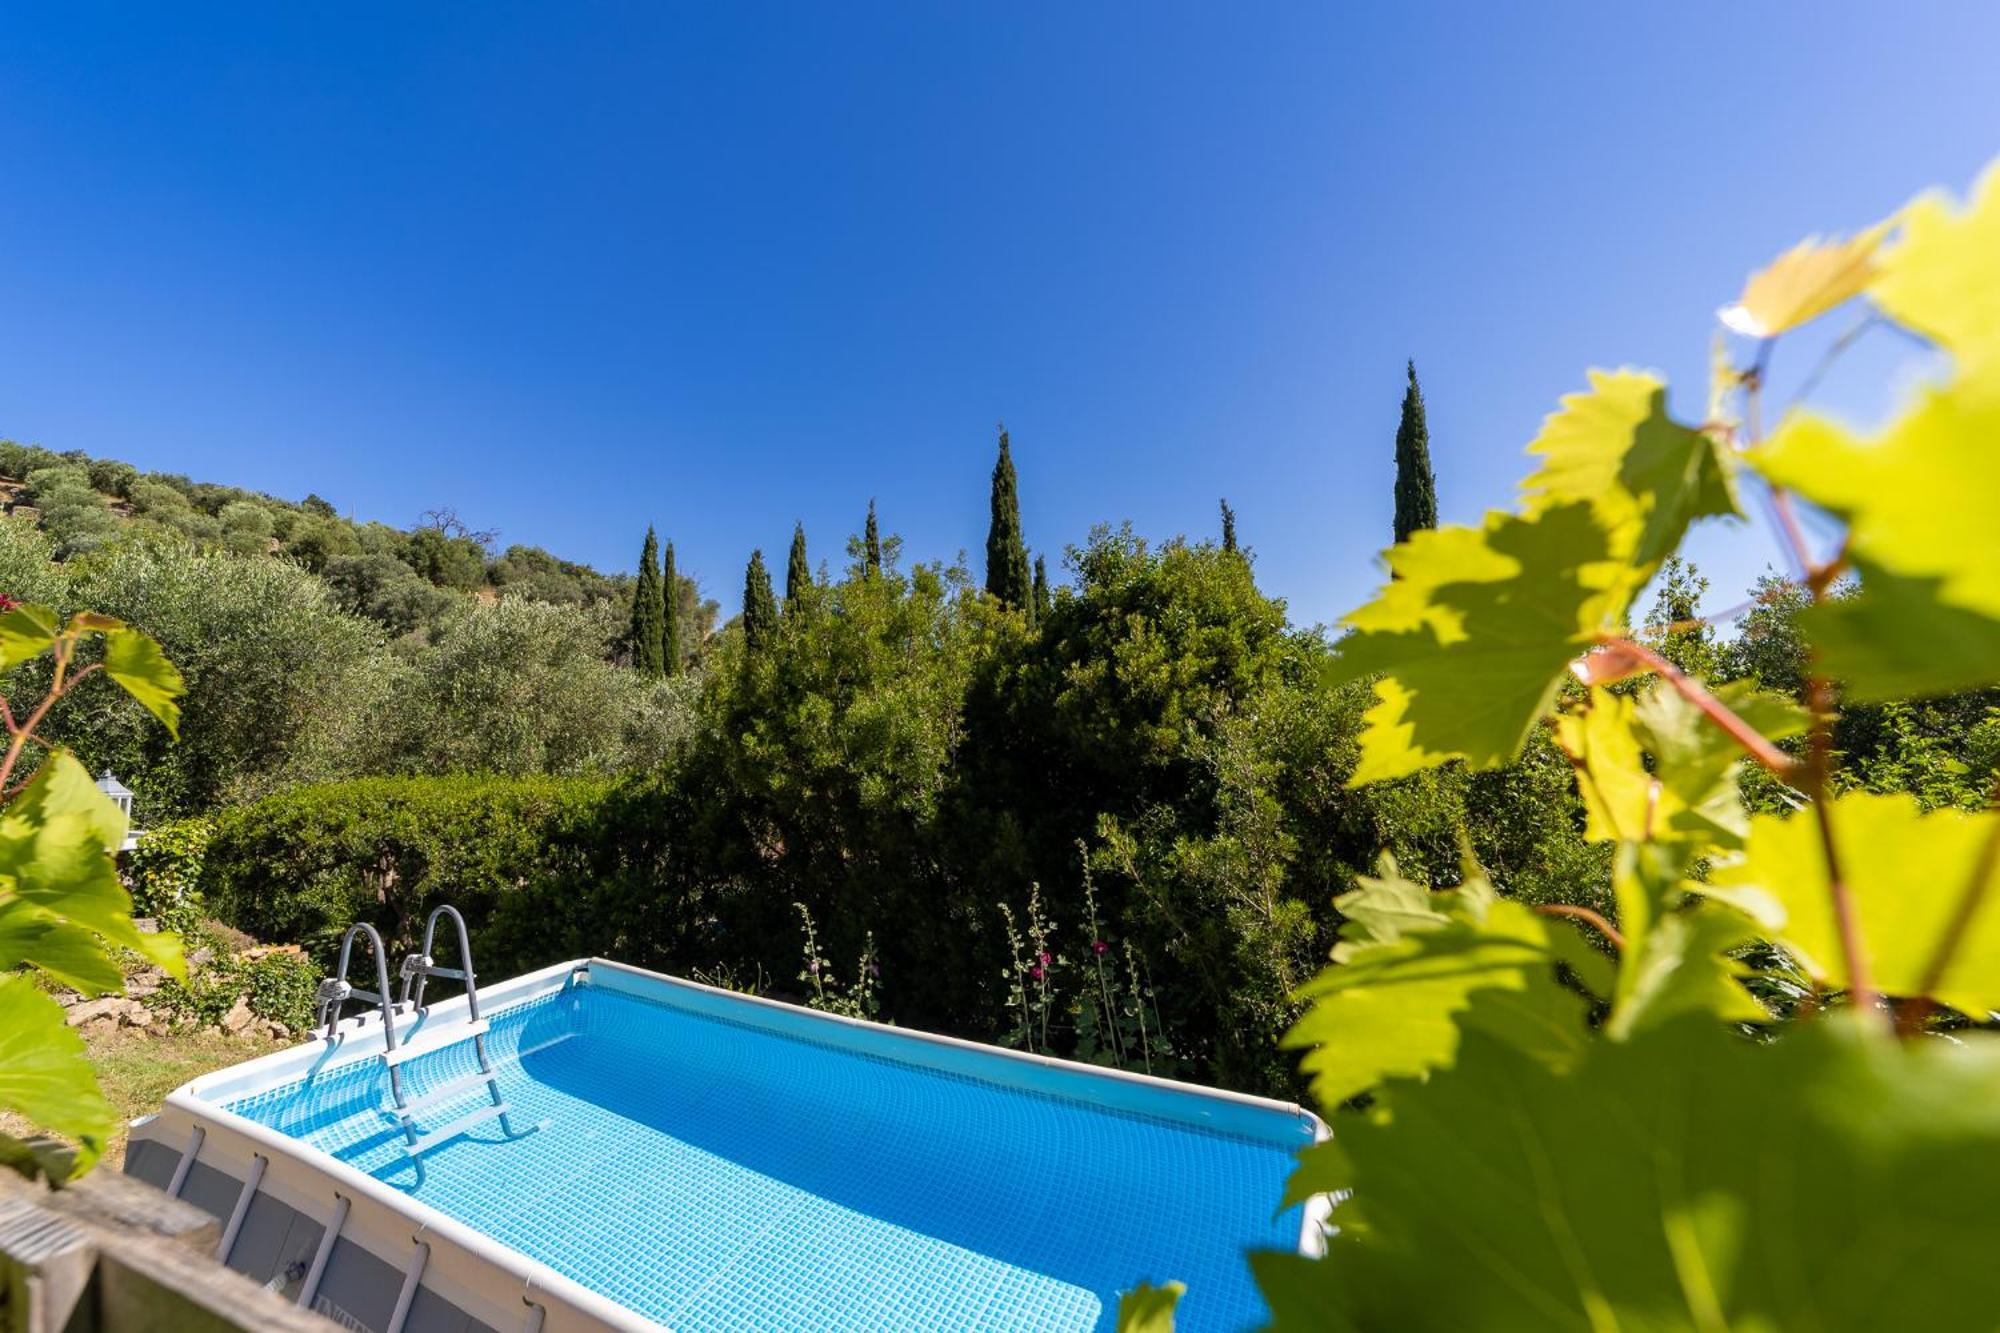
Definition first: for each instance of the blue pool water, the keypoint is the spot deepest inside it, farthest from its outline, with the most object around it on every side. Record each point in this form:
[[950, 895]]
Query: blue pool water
[[712, 1174]]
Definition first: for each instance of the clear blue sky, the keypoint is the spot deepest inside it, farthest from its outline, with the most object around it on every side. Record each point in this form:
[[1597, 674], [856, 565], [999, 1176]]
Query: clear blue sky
[[574, 268]]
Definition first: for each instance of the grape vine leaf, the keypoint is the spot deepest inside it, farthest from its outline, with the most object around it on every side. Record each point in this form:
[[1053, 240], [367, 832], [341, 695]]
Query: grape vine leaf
[[69, 953], [45, 1074], [1149, 1309], [1649, 477], [1919, 503], [135, 661], [1469, 638], [1804, 283], [1942, 277], [1905, 870], [56, 841], [1385, 907], [1675, 960], [1684, 1179], [1397, 1007], [25, 632]]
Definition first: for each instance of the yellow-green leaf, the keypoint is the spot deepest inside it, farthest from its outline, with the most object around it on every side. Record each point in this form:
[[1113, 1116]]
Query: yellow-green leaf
[[1149, 1309], [1675, 960], [135, 661], [70, 954], [25, 632], [56, 844], [1942, 276], [1905, 870], [45, 1074], [1804, 283]]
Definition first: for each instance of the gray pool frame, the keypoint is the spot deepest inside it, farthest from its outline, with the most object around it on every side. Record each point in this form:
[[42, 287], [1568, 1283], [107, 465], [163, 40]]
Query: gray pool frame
[[373, 1258]]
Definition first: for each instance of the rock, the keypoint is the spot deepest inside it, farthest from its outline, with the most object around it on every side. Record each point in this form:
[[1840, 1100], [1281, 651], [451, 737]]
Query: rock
[[277, 1031], [144, 983], [135, 1015], [110, 1007], [199, 956], [146, 925], [239, 1016]]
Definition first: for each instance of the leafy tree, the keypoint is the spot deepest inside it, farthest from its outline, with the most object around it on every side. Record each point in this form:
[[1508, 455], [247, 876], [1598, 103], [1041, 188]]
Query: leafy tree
[[1044, 600], [1007, 576], [760, 607], [872, 542], [321, 508], [386, 591], [673, 648], [316, 542], [1674, 626], [798, 572], [649, 610], [1416, 488], [246, 527], [1228, 528]]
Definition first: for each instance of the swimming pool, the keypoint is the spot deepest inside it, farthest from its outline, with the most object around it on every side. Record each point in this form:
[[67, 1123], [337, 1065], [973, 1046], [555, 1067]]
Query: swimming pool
[[708, 1161]]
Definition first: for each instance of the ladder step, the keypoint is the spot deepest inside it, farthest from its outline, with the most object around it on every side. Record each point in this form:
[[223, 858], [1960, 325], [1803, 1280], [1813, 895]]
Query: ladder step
[[448, 1091], [456, 1035], [451, 1131]]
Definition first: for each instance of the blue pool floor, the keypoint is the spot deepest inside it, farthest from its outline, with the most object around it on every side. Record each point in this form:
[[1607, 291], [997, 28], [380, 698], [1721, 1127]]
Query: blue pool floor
[[712, 1176]]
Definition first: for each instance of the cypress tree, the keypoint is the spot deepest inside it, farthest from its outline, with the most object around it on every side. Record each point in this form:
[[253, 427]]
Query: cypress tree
[[648, 611], [1228, 528], [670, 636], [1416, 488], [1006, 553], [1044, 603], [760, 607], [871, 542], [798, 574]]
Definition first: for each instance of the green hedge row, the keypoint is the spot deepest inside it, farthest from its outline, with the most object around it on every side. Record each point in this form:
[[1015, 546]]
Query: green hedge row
[[543, 868]]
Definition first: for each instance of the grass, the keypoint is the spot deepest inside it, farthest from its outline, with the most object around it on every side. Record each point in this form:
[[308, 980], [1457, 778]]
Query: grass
[[138, 1069]]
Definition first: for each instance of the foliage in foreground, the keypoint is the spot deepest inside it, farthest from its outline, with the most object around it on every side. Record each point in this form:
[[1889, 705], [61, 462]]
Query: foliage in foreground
[[63, 913], [1698, 1157]]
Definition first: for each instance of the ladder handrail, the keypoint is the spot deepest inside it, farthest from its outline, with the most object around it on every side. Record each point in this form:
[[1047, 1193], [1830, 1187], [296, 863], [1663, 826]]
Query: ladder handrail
[[418, 968], [336, 991]]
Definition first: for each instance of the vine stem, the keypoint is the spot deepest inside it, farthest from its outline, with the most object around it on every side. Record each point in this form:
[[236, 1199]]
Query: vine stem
[[1753, 741], [1588, 916]]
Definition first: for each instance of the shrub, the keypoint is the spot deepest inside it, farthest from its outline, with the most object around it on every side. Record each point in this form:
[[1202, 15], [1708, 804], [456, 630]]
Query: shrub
[[163, 872]]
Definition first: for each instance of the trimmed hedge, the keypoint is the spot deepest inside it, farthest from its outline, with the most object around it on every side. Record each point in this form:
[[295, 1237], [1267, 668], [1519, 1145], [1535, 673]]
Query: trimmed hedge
[[543, 868]]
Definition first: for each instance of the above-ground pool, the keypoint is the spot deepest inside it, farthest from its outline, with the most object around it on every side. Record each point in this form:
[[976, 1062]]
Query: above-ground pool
[[710, 1161]]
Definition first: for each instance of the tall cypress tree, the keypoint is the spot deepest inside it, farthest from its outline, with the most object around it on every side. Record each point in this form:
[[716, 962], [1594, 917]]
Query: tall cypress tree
[[1006, 553], [1416, 488], [670, 635], [1228, 528], [871, 543], [648, 611], [760, 606], [1044, 602], [798, 574]]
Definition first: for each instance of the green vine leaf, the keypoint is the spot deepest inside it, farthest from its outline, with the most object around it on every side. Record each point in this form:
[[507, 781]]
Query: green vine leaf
[[26, 632], [1905, 871], [1471, 637], [69, 953], [1683, 1179], [1675, 960], [1149, 1309], [1397, 1007], [56, 841], [1941, 279], [135, 661], [45, 1074]]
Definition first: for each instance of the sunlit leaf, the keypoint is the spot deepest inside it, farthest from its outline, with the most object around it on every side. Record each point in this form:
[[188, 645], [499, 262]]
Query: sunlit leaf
[[135, 661], [56, 844], [1149, 1309], [1683, 1179], [45, 1074], [26, 632], [1649, 477], [1398, 1008], [95, 622], [1620, 796], [1905, 871], [72, 955], [1942, 276], [1899, 640], [1384, 908], [1675, 960], [1804, 283]]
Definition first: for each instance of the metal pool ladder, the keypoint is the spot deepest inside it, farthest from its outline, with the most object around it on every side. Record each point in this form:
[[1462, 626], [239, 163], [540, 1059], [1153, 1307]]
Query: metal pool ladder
[[417, 969]]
